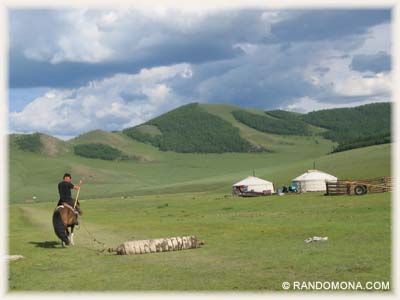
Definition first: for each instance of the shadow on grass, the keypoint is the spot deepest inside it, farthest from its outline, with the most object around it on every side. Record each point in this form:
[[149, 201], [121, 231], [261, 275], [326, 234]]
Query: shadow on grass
[[47, 244]]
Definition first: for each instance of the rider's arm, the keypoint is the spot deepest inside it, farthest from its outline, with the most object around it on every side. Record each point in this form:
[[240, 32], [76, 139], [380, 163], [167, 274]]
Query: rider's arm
[[78, 186]]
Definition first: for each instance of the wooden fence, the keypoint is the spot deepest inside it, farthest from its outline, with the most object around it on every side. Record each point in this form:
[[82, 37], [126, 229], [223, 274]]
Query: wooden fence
[[348, 187]]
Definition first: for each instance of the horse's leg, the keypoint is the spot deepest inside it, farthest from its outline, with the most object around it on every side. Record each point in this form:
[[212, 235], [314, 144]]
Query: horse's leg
[[68, 235], [62, 242], [72, 236]]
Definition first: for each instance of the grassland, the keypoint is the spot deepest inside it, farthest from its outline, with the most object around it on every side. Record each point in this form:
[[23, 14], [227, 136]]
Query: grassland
[[253, 244], [37, 175]]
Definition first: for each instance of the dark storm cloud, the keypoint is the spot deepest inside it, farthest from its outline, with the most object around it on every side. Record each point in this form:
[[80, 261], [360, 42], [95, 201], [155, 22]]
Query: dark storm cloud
[[379, 62], [25, 73], [254, 81], [212, 38]]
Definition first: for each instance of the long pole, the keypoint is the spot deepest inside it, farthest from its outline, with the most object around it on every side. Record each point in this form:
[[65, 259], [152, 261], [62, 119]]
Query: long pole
[[77, 194]]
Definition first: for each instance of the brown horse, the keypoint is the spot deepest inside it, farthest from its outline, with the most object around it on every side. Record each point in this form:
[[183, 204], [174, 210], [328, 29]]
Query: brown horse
[[64, 217]]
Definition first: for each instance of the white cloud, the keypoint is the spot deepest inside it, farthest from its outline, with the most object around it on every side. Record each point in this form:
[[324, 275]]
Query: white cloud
[[113, 103], [94, 36], [341, 80], [357, 85], [104, 36], [379, 38], [307, 104]]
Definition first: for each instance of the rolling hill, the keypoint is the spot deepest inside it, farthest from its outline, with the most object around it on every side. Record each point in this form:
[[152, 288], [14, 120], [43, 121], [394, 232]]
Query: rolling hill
[[39, 143], [161, 159], [209, 128], [351, 127], [191, 129], [346, 124]]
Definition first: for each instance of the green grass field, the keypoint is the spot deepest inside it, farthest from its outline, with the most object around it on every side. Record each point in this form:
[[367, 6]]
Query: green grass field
[[253, 244]]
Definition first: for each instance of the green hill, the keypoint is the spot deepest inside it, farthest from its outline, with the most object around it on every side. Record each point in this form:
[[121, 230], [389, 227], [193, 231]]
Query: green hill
[[153, 170], [191, 129], [39, 143], [350, 127], [129, 147], [354, 127], [201, 128], [221, 128], [212, 128]]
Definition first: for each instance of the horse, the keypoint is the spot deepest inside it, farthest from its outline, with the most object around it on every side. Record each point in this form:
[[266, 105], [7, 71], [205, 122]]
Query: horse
[[64, 217]]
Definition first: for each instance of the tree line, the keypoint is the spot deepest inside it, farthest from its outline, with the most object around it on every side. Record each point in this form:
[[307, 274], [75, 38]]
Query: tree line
[[289, 125]]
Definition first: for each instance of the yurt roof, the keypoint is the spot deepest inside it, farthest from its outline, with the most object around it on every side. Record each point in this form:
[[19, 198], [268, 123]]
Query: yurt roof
[[251, 180], [315, 175]]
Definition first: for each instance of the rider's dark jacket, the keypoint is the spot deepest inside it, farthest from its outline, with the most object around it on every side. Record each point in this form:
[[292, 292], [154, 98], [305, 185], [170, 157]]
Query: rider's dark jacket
[[64, 189]]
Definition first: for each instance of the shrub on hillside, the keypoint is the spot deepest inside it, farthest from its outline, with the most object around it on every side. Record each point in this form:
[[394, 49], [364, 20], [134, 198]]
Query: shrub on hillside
[[364, 142], [285, 115], [98, 150], [29, 142], [286, 126]]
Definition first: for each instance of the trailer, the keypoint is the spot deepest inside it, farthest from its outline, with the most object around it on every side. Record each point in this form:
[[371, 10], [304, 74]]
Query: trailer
[[359, 187]]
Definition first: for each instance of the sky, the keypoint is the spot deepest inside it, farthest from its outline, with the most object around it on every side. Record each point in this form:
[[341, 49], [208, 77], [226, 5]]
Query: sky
[[76, 70]]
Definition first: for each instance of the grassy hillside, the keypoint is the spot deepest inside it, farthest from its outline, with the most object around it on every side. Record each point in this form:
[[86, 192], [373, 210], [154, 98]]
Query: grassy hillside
[[153, 171], [362, 126], [39, 143], [363, 142], [276, 143], [140, 151], [352, 128], [36, 175], [190, 129], [350, 125], [266, 123]]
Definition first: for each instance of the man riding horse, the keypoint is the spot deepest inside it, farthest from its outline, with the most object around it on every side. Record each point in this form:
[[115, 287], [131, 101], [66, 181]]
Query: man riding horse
[[64, 189], [65, 215]]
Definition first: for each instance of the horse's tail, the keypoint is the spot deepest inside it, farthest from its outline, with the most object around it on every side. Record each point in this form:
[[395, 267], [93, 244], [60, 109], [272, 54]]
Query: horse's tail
[[59, 228]]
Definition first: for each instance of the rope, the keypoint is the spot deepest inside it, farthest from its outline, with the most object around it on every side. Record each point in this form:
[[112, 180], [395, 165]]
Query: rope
[[94, 239]]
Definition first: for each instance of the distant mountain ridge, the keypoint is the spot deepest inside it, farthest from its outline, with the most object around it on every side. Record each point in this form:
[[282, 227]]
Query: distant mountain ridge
[[350, 127], [221, 128], [353, 127]]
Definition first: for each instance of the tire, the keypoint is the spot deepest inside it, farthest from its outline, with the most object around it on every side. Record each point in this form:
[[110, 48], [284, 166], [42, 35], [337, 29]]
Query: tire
[[360, 190]]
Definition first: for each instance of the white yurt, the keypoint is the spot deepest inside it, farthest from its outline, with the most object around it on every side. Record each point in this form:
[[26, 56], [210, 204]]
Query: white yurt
[[253, 184], [313, 181]]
